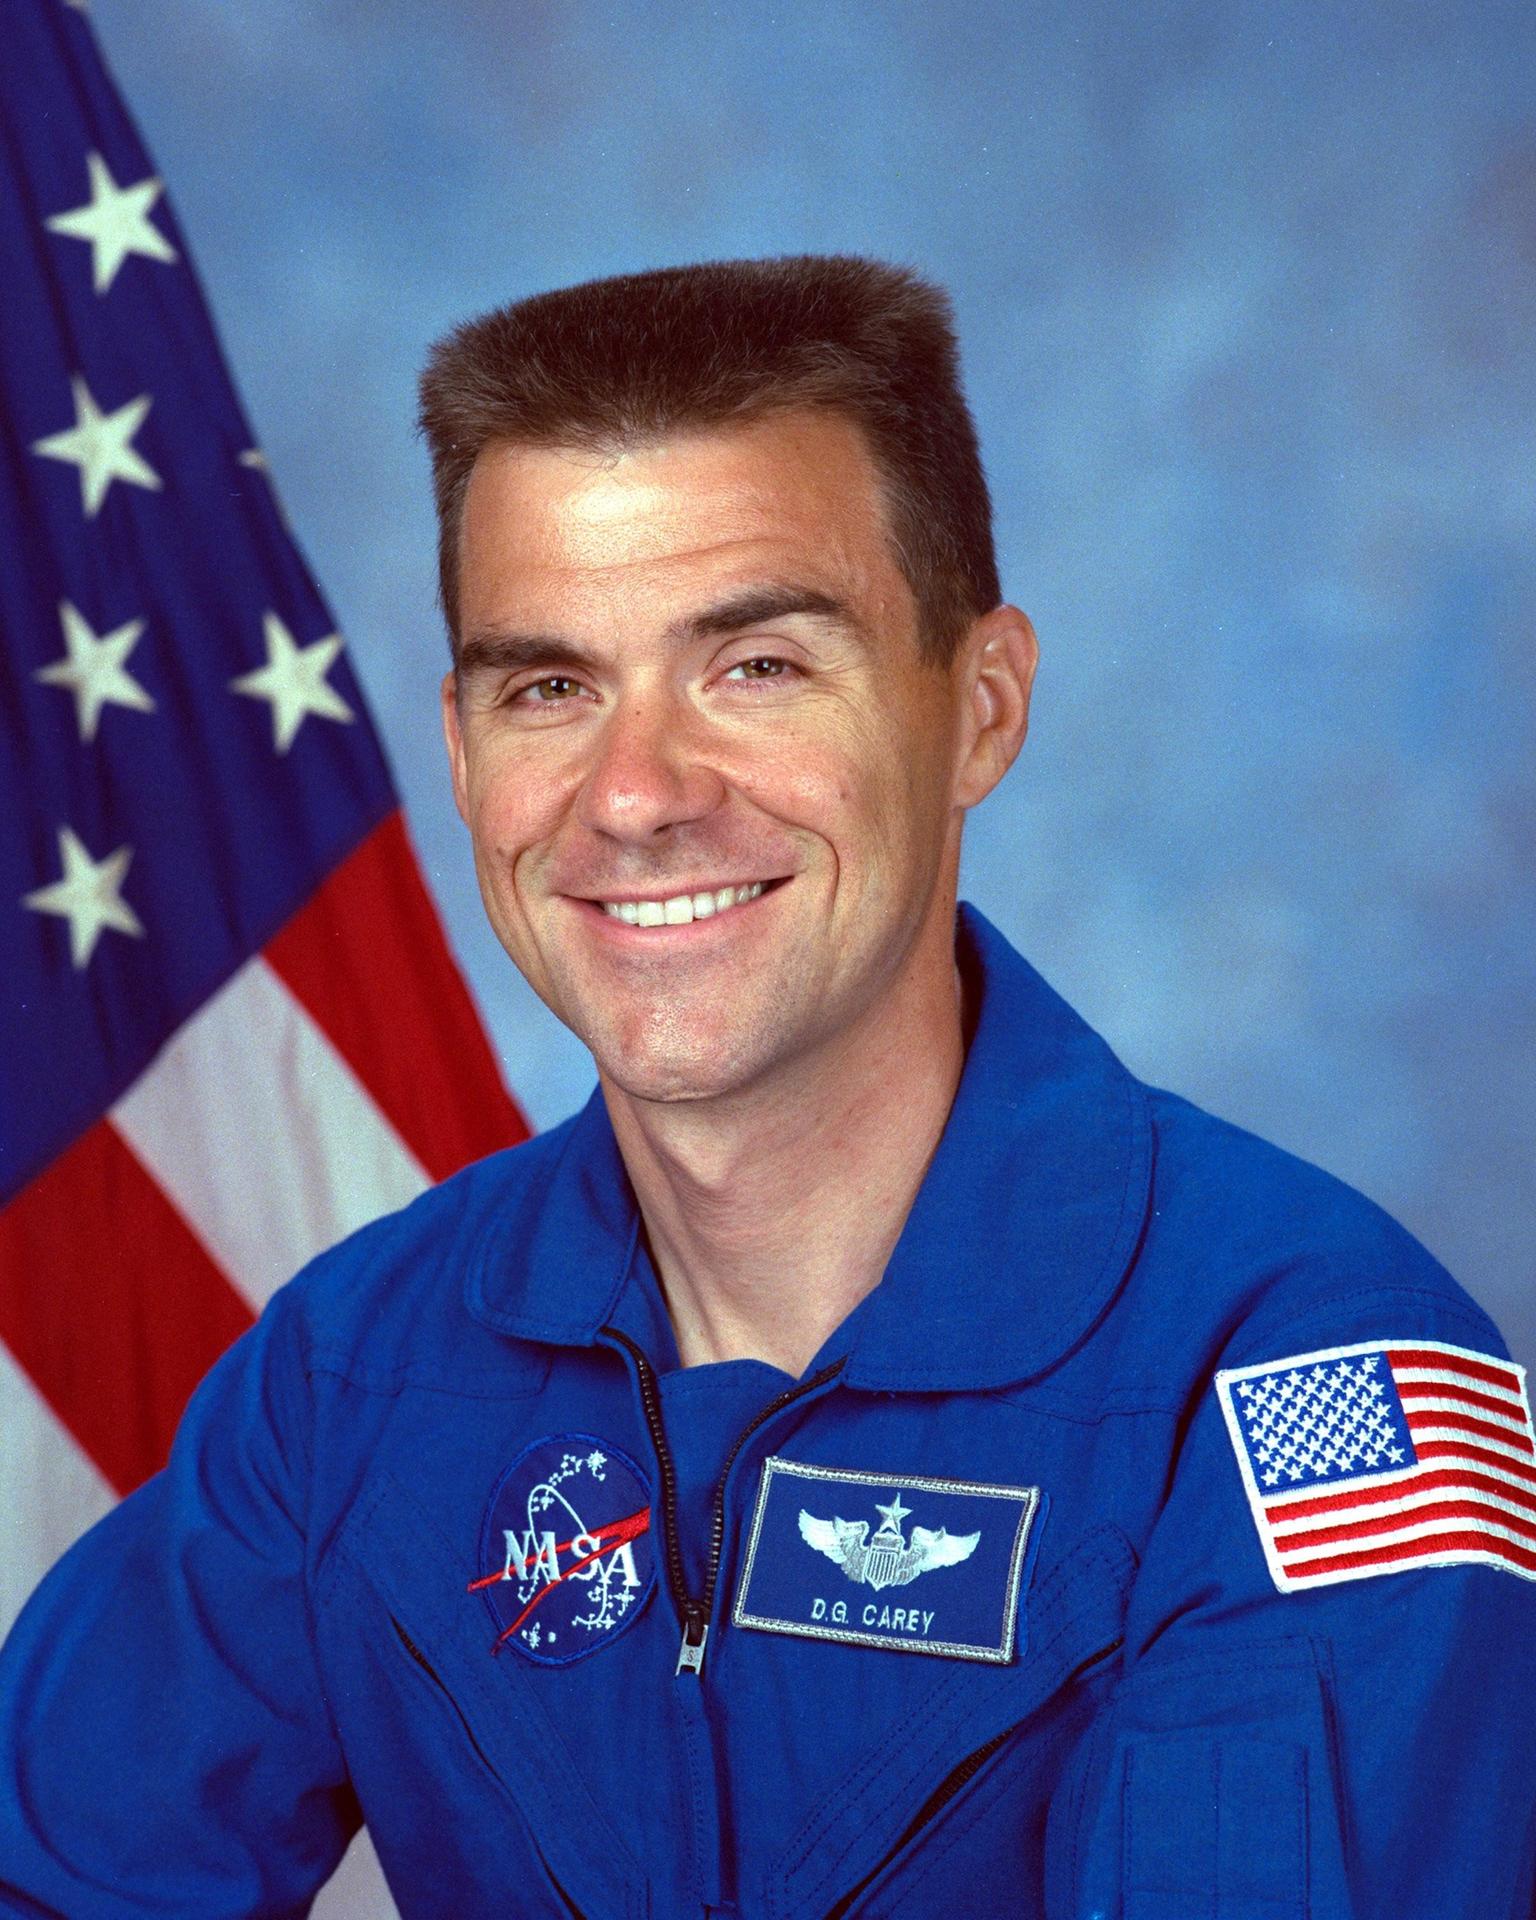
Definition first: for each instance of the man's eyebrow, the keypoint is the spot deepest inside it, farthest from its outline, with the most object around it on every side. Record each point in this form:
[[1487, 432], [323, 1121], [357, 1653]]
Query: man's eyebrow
[[512, 650], [756, 606], [509, 650]]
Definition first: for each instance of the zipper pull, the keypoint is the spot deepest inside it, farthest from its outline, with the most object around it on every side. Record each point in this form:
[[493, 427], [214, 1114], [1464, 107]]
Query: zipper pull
[[690, 1657]]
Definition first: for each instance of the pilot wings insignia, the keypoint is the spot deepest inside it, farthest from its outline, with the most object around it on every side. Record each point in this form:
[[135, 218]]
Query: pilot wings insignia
[[886, 1559]]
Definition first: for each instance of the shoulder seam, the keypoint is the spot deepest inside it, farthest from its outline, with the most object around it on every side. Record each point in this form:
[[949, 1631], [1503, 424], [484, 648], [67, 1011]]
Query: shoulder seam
[[1450, 1307]]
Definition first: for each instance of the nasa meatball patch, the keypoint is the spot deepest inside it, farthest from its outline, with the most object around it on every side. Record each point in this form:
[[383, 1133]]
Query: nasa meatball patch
[[902, 1561], [567, 1548]]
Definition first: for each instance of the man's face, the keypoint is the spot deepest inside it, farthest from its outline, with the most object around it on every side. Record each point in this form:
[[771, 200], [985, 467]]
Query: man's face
[[685, 669]]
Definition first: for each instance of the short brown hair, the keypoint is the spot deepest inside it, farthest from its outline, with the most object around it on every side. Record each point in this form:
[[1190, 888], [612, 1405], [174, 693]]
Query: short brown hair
[[619, 362]]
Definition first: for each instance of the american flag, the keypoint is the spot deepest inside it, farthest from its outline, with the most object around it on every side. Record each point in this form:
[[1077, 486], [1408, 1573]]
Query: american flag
[[232, 1030], [1370, 1459]]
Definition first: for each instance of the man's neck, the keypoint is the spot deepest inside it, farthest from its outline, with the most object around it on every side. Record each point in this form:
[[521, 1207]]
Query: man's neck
[[771, 1215]]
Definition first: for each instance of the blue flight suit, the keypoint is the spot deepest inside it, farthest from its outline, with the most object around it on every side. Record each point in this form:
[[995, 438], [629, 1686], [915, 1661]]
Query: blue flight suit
[[992, 1628]]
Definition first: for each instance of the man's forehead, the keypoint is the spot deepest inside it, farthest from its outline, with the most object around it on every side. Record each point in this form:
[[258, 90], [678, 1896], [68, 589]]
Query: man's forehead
[[799, 483]]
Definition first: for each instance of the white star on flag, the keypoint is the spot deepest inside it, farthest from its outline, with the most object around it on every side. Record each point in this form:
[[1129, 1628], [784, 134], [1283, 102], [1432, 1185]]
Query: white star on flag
[[100, 445], [89, 896], [116, 223], [94, 669], [257, 461], [294, 681]]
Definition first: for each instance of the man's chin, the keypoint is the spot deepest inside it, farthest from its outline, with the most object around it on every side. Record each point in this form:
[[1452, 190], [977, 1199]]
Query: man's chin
[[691, 1048], [675, 1066], [667, 1082]]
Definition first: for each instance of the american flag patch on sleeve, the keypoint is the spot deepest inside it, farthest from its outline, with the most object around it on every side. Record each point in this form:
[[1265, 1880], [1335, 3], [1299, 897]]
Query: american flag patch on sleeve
[[1376, 1458]]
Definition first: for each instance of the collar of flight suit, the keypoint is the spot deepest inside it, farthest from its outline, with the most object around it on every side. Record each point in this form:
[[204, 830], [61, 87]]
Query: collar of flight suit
[[1020, 1235]]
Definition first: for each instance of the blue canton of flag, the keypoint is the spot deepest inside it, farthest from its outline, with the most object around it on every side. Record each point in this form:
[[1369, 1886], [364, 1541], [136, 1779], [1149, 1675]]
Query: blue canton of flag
[[1315, 1425]]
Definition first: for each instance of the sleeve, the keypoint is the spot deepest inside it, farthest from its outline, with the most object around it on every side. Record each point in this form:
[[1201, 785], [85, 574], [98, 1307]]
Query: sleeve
[[1326, 1710], [165, 1743]]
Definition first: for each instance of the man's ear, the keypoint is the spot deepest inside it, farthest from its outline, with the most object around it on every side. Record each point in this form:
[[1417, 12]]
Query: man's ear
[[453, 736], [997, 661]]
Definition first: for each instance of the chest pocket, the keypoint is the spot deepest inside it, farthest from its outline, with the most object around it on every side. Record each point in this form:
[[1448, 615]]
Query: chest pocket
[[856, 1853], [1216, 1794], [1216, 1828]]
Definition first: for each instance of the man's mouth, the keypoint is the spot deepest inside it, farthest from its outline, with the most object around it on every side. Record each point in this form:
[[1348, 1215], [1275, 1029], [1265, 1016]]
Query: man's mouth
[[679, 909]]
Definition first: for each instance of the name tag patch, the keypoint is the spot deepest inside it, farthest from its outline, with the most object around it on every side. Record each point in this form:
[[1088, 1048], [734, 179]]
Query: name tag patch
[[831, 1555]]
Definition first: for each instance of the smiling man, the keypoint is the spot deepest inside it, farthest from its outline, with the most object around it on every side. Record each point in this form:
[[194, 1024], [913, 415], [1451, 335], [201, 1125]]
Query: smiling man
[[879, 1458], [715, 780]]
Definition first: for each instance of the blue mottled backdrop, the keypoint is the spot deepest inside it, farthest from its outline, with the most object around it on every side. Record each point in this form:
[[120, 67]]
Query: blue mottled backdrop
[[1248, 297]]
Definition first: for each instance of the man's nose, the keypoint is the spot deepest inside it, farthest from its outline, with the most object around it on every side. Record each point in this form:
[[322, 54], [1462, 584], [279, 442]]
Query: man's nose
[[650, 770]]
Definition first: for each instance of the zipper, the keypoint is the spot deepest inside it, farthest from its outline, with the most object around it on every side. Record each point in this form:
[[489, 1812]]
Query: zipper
[[437, 1680], [957, 1778], [694, 1613]]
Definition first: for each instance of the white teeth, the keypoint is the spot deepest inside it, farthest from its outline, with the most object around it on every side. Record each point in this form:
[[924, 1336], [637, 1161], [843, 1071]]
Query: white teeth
[[681, 908]]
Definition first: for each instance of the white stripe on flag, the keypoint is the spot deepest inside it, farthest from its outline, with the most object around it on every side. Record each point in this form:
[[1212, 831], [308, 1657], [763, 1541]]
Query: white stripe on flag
[[1441, 1463], [1436, 1403], [1289, 1532], [262, 1136], [50, 1492], [1445, 1377], [1301, 1579], [1299, 1556], [1423, 1433]]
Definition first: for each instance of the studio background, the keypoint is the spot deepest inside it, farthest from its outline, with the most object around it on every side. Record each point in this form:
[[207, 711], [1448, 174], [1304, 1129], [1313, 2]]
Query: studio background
[[1247, 298]]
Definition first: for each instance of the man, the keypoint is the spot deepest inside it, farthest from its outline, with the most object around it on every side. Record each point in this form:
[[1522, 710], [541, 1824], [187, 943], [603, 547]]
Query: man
[[879, 1457]]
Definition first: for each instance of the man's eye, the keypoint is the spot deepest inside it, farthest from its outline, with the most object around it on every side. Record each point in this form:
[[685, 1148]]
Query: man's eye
[[762, 666], [547, 692]]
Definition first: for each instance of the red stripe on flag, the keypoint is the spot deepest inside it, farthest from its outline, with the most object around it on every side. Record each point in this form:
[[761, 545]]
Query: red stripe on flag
[[1440, 1390], [1278, 1515], [365, 956], [1469, 1450], [1431, 1544], [1297, 1541], [1465, 1423], [1489, 1370], [110, 1304]]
